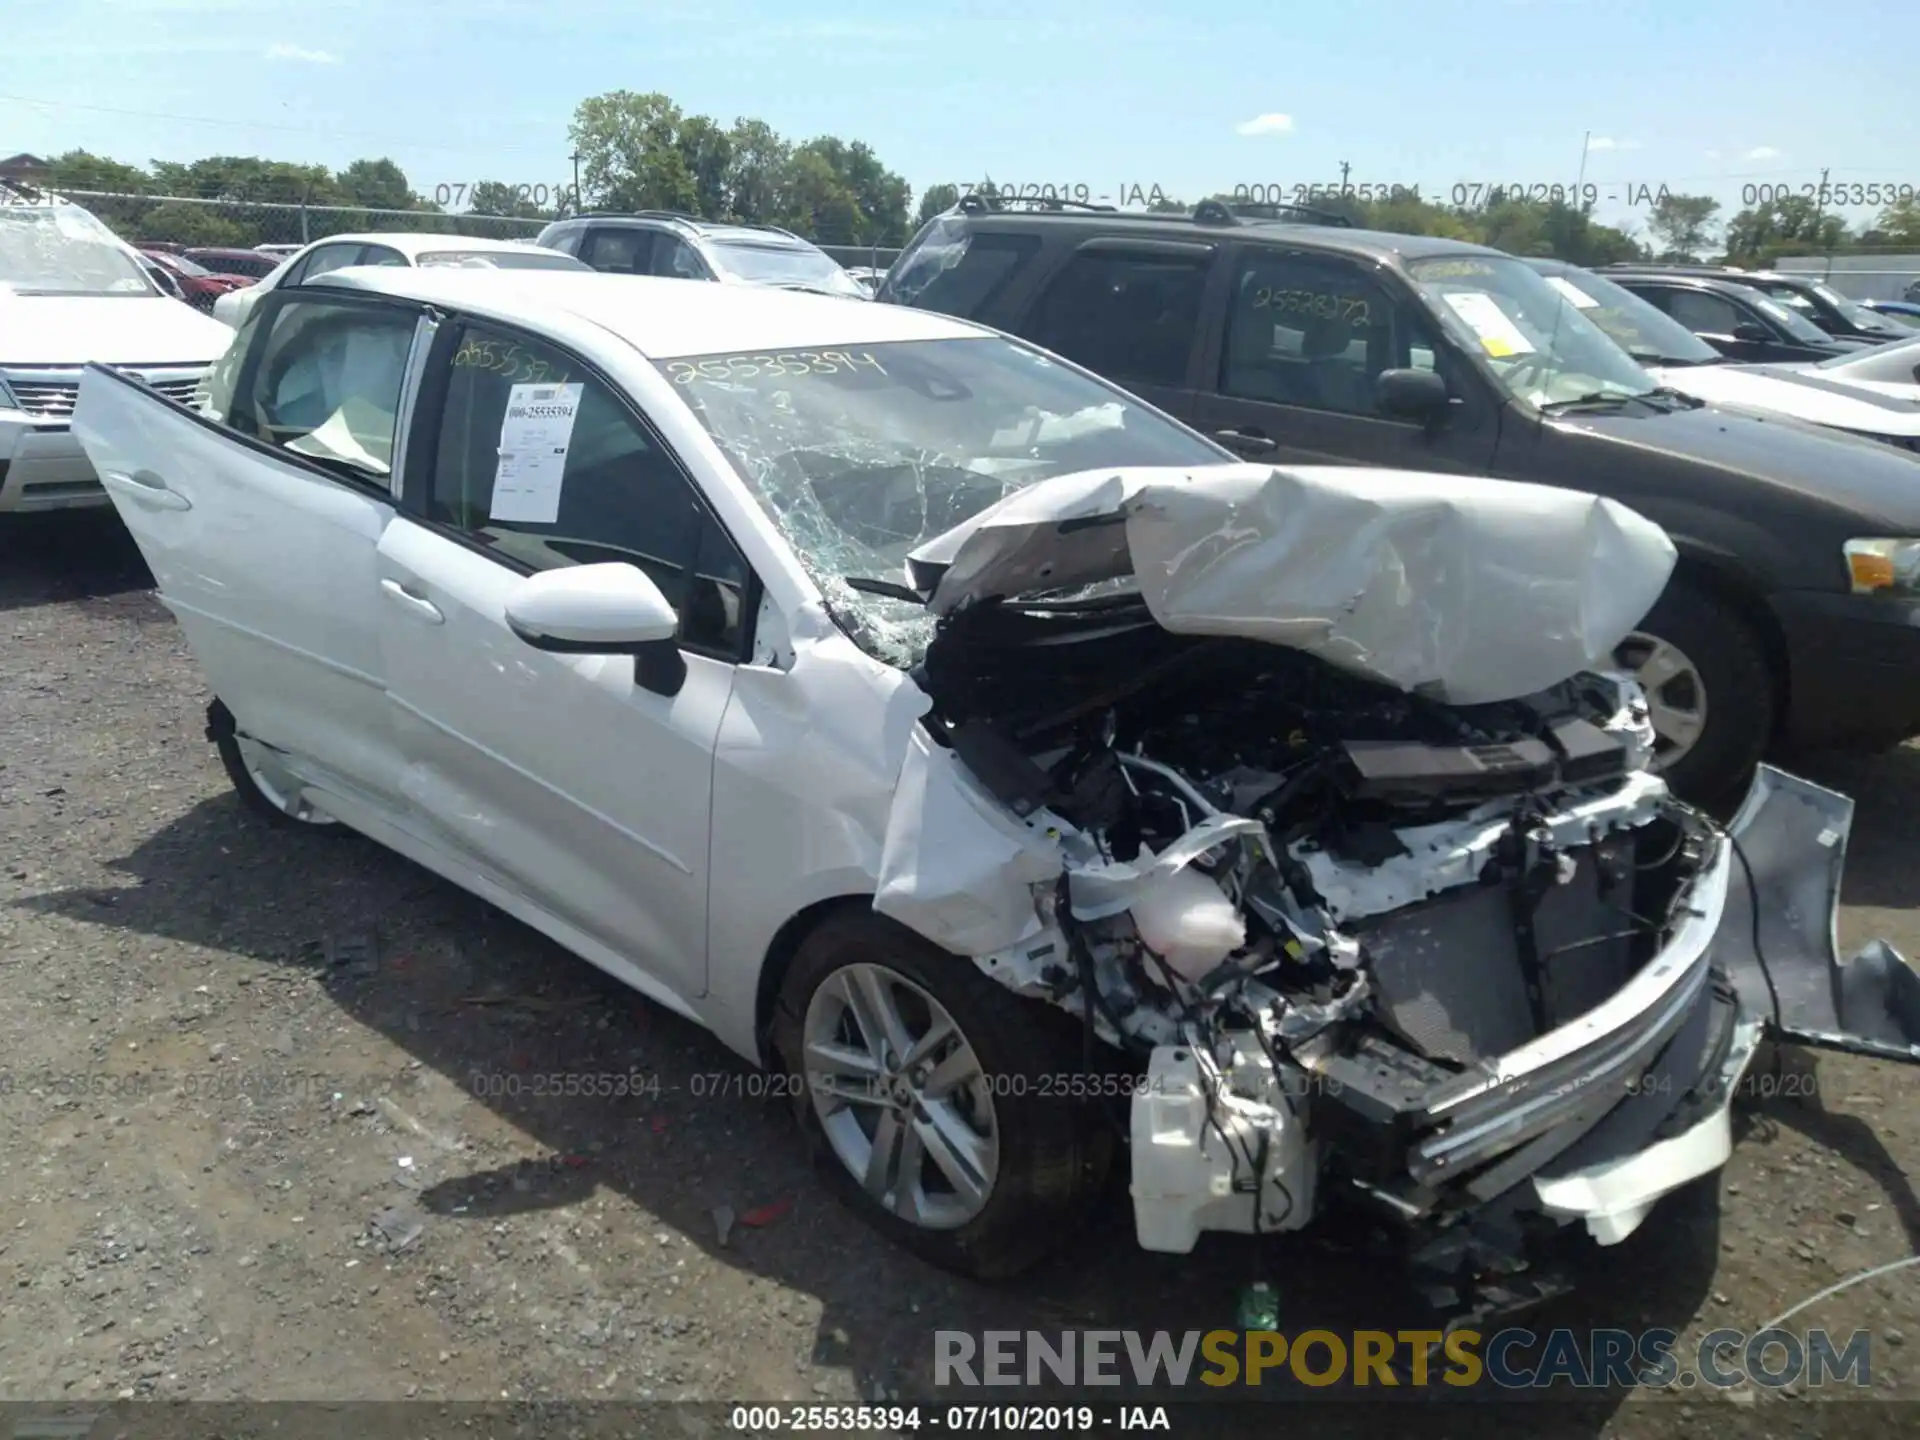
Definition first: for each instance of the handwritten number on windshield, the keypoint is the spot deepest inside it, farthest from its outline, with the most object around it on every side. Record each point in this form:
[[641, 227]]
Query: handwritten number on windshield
[[749, 367]]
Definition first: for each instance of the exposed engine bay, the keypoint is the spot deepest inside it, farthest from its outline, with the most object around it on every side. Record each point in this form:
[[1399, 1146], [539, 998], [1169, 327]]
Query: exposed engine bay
[[1305, 792], [1313, 908]]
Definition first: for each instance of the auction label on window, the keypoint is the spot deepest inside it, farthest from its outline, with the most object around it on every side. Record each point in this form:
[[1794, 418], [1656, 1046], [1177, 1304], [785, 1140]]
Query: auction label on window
[[534, 436], [1573, 293], [1483, 313]]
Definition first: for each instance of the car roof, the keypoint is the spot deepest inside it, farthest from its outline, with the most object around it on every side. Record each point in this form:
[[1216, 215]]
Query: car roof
[[658, 315], [412, 243], [1679, 277], [1374, 244]]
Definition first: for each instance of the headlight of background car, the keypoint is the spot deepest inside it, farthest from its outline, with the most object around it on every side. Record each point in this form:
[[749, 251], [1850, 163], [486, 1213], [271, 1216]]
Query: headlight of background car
[[1884, 567]]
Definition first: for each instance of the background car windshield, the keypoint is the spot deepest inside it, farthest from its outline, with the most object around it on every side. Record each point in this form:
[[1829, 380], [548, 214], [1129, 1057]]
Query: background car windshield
[[860, 454], [504, 259], [62, 250], [1853, 313], [783, 265], [1791, 320], [187, 267], [1542, 347], [1643, 330]]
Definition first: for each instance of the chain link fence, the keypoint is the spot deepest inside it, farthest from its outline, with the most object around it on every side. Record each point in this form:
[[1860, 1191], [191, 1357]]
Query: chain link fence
[[243, 224], [144, 218]]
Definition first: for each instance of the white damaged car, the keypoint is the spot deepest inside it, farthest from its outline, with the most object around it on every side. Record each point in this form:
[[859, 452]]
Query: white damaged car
[[997, 757]]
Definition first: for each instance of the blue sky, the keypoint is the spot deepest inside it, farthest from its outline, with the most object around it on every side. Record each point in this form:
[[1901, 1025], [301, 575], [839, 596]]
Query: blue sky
[[1708, 96]]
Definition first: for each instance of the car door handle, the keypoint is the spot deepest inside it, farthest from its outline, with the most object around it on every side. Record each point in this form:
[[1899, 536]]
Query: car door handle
[[1250, 441], [415, 605], [146, 488]]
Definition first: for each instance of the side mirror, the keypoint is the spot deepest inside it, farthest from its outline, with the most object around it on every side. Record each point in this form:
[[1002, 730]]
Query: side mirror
[[1747, 330], [1410, 394], [606, 609]]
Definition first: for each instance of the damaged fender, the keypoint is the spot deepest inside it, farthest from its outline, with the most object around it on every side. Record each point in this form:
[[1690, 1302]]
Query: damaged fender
[[1791, 842]]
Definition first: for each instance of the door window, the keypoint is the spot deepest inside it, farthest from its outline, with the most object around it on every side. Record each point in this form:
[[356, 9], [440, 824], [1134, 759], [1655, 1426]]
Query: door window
[[676, 259], [1703, 313], [1317, 333], [621, 250], [326, 383], [325, 258], [1122, 315], [602, 487]]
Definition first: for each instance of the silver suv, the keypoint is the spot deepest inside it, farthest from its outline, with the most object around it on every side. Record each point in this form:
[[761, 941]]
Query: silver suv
[[684, 247]]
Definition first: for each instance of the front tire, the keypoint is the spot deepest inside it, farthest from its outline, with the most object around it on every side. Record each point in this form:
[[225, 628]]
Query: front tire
[[262, 784], [931, 1098], [1711, 689]]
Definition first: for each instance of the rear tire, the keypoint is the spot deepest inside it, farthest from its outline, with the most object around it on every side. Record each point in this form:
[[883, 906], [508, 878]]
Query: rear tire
[[265, 791], [1041, 1156], [1729, 678]]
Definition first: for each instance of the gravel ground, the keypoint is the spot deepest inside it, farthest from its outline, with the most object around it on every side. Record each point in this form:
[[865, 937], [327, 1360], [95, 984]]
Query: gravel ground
[[268, 1132]]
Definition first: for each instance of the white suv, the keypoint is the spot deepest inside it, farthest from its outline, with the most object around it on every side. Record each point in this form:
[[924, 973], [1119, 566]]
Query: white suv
[[72, 291], [682, 247]]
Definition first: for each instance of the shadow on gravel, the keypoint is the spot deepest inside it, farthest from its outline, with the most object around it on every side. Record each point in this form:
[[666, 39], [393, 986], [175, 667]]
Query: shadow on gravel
[[491, 1006], [68, 555], [1881, 868]]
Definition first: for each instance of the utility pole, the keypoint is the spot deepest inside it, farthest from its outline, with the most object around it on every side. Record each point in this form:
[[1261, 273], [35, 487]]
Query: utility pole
[[1344, 167], [1819, 219], [575, 157]]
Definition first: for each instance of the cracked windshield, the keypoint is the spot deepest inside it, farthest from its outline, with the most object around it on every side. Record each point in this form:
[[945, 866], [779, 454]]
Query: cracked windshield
[[862, 454]]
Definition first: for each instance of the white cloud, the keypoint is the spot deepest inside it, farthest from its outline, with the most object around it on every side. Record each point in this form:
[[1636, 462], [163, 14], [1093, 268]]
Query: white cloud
[[1763, 152], [1607, 142], [295, 52], [1272, 123], [1713, 154]]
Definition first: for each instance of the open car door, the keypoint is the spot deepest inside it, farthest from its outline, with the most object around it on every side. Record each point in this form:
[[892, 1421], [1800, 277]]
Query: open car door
[[260, 513]]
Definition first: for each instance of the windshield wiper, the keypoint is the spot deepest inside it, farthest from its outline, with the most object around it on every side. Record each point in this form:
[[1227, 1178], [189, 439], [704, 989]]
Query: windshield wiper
[[1681, 400], [890, 589], [1593, 400]]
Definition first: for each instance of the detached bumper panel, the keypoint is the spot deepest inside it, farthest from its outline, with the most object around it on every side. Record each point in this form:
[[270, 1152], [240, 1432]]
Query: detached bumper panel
[[1792, 835]]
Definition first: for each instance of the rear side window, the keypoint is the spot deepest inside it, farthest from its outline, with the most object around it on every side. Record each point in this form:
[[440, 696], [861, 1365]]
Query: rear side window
[[1126, 316], [622, 251], [325, 258], [1703, 313], [603, 490], [960, 273], [326, 384]]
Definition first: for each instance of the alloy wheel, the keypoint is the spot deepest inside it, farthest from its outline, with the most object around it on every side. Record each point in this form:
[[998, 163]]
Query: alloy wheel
[[1676, 695], [901, 1096]]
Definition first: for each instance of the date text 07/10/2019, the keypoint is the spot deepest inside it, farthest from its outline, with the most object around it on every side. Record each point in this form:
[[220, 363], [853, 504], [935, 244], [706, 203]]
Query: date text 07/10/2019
[[1470, 194]]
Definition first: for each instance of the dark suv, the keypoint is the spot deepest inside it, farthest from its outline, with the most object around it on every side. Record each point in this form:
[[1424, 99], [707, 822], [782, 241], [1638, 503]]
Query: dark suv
[[1807, 295], [684, 247], [1792, 612], [1738, 321]]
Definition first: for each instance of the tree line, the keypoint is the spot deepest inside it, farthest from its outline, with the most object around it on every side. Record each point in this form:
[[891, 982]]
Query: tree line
[[641, 151]]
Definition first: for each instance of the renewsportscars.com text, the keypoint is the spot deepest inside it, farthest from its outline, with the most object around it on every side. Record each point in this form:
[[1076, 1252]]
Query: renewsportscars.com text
[[1510, 1359]]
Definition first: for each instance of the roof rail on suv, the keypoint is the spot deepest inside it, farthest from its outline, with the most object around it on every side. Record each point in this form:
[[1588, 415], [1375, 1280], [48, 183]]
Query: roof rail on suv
[[1207, 212], [682, 217]]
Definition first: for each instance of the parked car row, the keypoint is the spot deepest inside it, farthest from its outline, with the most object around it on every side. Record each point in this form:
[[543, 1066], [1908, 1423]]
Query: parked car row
[[71, 291], [1262, 669]]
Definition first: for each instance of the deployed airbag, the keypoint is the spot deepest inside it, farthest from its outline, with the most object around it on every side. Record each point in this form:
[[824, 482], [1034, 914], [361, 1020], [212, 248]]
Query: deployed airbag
[[1464, 589]]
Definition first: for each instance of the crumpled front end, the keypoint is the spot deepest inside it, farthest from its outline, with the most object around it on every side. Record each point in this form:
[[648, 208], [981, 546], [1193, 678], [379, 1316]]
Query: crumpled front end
[[1476, 970], [1310, 792]]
